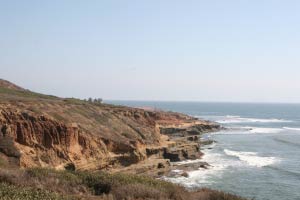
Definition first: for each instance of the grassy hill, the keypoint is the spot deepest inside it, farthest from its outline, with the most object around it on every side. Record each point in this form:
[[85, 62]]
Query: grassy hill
[[66, 148], [49, 184]]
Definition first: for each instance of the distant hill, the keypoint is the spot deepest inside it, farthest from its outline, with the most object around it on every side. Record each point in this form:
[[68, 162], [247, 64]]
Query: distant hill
[[9, 85], [13, 92]]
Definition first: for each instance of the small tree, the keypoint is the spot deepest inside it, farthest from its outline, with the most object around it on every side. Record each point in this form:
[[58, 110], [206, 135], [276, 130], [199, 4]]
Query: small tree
[[97, 101]]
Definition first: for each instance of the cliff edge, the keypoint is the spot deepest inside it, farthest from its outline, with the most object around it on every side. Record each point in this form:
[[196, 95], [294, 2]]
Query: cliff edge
[[39, 130]]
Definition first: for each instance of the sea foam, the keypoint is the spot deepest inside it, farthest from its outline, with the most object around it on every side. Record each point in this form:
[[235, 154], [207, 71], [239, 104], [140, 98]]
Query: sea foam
[[264, 130], [292, 129], [249, 130], [251, 158], [229, 119], [202, 176]]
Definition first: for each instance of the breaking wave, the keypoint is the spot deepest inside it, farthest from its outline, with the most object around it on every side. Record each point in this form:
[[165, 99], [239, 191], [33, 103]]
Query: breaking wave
[[264, 130], [229, 119], [249, 130], [251, 158], [218, 163], [292, 129]]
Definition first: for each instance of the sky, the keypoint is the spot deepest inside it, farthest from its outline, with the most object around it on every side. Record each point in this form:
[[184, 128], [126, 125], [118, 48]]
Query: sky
[[163, 50]]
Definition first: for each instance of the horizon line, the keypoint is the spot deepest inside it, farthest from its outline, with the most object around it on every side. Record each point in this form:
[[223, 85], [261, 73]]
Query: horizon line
[[199, 101]]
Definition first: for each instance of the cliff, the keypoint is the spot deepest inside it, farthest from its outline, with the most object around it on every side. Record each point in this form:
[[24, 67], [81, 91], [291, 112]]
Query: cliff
[[39, 130], [41, 133]]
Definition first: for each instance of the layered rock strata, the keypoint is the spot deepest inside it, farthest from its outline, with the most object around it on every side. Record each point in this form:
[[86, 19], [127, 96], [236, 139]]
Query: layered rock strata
[[45, 131]]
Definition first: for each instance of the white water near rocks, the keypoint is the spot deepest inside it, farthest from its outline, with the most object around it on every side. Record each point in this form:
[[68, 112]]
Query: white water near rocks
[[258, 156], [251, 158]]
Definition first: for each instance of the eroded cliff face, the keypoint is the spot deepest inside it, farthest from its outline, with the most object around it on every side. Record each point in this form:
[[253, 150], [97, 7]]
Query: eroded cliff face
[[36, 140], [40, 141], [44, 131]]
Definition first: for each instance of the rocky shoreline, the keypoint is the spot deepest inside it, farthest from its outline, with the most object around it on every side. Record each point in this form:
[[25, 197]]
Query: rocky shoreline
[[66, 148], [45, 131], [184, 143]]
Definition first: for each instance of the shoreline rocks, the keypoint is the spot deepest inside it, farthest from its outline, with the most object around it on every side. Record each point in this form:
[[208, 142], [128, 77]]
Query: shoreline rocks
[[39, 130]]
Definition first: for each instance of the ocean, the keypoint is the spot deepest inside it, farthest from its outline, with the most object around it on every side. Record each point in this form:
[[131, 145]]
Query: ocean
[[258, 156]]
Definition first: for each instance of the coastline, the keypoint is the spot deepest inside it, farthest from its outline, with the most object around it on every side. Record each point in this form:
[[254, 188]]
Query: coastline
[[41, 132], [184, 168], [180, 142], [46, 131], [98, 148]]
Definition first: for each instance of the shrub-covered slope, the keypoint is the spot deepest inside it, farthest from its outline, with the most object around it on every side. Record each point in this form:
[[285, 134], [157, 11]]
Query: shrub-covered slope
[[44, 183]]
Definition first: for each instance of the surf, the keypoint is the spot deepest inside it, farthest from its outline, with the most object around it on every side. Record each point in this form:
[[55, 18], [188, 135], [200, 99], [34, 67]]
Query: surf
[[292, 129], [237, 119], [251, 158]]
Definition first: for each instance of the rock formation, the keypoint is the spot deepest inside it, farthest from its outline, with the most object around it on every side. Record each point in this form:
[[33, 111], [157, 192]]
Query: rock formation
[[45, 131]]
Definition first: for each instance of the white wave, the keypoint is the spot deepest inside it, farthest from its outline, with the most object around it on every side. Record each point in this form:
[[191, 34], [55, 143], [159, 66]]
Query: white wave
[[265, 130], [293, 129], [251, 158], [202, 176], [233, 116], [210, 146], [237, 119], [232, 132], [248, 130], [177, 171], [187, 162], [218, 165]]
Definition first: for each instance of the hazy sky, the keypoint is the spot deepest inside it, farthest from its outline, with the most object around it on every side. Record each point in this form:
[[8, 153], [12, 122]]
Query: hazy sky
[[225, 50]]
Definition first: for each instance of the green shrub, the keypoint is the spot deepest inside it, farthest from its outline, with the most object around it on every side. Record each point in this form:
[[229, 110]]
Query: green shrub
[[64, 176], [25, 93], [137, 191], [104, 185], [10, 192]]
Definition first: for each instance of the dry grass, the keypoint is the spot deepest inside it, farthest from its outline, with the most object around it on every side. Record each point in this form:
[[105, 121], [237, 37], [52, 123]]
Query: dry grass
[[108, 122], [11, 192], [24, 93], [104, 186], [138, 191]]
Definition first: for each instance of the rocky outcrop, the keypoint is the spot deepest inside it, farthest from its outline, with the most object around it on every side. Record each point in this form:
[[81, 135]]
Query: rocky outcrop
[[45, 131], [37, 140], [183, 152], [40, 141], [190, 130]]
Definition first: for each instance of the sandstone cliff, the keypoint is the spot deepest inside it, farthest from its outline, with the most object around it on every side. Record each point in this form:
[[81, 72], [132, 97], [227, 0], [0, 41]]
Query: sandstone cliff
[[47, 131]]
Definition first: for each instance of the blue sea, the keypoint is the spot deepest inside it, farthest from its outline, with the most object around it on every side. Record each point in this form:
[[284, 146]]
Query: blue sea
[[258, 156]]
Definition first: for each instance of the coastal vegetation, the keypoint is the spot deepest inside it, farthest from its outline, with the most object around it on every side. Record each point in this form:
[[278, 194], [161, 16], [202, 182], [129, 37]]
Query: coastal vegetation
[[37, 183], [66, 148]]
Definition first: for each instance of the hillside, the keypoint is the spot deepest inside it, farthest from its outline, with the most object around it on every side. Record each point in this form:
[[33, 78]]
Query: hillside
[[45, 131], [40, 183], [55, 148], [4, 84]]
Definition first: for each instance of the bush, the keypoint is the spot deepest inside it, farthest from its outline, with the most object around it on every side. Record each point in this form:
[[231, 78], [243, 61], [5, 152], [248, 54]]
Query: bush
[[105, 186], [208, 194], [137, 191], [10, 192], [56, 181]]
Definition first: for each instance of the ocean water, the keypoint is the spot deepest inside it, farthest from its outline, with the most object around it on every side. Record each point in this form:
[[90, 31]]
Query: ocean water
[[257, 157]]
